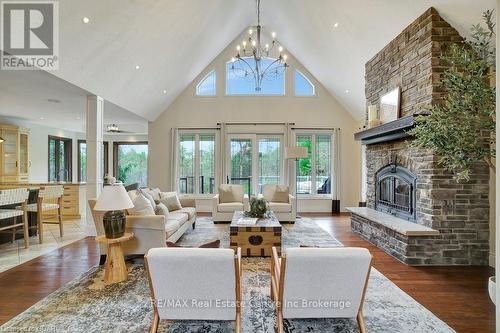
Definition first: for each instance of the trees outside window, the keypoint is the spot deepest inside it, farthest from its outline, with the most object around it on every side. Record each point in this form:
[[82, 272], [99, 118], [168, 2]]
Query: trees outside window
[[314, 173], [196, 163], [131, 162]]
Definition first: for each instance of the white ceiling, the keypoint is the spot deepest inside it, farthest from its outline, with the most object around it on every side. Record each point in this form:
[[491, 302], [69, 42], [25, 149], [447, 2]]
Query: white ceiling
[[174, 40], [25, 95]]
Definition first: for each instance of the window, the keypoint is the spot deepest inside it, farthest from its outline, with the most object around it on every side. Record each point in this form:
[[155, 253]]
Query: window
[[255, 161], [314, 174], [240, 81], [131, 162], [82, 160], [303, 86], [196, 163], [207, 86], [59, 156]]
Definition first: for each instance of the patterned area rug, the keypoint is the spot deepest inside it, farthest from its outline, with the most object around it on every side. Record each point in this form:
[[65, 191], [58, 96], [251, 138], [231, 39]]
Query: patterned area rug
[[86, 305]]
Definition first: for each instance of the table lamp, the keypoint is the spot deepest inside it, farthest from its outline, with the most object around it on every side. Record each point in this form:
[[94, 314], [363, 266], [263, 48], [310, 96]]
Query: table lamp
[[295, 153], [113, 200]]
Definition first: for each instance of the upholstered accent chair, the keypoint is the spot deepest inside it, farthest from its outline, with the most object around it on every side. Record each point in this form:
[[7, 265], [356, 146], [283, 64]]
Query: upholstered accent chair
[[174, 274], [229, 199], [281, 202], [336, 276]]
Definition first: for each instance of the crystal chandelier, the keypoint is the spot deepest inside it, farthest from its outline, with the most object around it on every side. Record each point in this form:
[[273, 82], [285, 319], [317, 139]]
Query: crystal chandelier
[[254, 60]]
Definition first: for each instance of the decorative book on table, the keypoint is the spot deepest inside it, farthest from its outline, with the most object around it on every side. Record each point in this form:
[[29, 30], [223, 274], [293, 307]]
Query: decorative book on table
[[247, 221]]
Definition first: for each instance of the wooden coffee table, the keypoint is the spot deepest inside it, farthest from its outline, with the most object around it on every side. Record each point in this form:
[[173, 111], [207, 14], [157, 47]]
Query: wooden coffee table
[[256, 240], [116, 270]]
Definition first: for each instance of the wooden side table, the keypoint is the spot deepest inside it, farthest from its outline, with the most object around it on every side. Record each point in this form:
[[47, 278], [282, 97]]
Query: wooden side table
[[116, 270]]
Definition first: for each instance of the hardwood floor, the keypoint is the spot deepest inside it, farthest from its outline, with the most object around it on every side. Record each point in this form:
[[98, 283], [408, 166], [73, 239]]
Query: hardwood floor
[[457, 295]]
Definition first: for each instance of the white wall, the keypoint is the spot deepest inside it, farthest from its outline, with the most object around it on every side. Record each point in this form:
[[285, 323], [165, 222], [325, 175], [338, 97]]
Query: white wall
[[322, 110]]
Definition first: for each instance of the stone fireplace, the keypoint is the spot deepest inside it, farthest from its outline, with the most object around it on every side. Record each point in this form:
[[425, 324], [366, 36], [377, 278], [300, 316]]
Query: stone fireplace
[[415, 209]]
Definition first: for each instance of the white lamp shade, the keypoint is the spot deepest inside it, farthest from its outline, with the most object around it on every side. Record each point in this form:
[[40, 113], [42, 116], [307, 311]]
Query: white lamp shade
[[113, 197], [296, 152]]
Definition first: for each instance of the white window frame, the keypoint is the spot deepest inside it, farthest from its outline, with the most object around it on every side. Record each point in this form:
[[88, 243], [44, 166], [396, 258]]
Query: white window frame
[[214, 72], [197, 162], [255, 138], [333, 180], [307, 79]]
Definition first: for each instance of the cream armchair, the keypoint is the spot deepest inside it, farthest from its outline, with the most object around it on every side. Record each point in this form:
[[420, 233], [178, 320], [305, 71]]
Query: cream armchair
[[336, 276], [231, 198], [281, 202], [174, 274]]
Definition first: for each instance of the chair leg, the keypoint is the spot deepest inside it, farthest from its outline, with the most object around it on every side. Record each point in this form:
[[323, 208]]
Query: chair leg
[[280, 322], [59, 216], [238, 322], [14, 230], [155, 323], [25, 230], [361, 322], [40, 226]]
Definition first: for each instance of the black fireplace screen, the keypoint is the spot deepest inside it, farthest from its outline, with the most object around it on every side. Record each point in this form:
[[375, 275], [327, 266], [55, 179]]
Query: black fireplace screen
[[395, 192]]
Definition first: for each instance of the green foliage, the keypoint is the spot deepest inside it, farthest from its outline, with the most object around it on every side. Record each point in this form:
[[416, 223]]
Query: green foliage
[[132, 165], [258, 207], [461, 130]]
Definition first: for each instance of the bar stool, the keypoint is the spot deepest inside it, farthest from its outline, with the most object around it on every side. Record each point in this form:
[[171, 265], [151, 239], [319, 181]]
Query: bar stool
[[12, 197], [52, 193]]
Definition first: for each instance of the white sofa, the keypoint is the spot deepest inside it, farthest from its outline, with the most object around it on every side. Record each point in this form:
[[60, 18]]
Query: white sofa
[[174, 274], [150, 231], [231, 198], [286, 209], [337, 276]]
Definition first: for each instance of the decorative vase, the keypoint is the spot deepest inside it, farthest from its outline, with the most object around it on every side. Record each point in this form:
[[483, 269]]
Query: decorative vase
[[114, 223], [492, 289]]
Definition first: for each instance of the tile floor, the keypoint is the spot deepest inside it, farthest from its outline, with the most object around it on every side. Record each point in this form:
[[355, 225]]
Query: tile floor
[[13, 254]]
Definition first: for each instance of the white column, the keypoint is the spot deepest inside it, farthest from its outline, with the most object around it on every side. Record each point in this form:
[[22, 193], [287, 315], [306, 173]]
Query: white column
[[95, 110]]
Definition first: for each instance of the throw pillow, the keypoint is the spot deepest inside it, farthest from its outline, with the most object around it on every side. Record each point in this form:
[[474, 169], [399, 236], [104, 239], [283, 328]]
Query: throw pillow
[[171, 200], [154, 192], [280, 194], [148, 196], [212, 245], [230, 193], [142, 206], [161, 209]]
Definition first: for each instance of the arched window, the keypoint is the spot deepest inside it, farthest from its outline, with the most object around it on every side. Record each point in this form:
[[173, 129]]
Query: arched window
[[303, 86], [240, 79], [207, 86]]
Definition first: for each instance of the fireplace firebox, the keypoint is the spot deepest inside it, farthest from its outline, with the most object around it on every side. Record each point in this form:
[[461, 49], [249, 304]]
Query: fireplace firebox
[[395, 192]]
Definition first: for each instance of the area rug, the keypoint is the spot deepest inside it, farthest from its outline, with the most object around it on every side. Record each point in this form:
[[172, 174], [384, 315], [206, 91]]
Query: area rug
[[86, 305]]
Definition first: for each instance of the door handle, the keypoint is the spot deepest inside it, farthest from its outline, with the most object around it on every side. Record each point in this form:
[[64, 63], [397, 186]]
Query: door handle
[[227, 179]]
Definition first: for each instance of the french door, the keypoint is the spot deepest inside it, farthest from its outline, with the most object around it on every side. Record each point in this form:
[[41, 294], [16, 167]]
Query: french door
[[254, 160]]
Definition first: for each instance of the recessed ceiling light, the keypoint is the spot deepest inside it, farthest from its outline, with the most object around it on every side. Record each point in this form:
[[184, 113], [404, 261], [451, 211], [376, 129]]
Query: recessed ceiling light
[[164, 91], [347, 91], [53, 100], [137, 67], [85, 20], [336, 25]]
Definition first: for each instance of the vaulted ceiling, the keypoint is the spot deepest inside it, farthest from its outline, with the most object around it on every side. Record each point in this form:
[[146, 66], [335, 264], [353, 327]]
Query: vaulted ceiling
[[173, 40]]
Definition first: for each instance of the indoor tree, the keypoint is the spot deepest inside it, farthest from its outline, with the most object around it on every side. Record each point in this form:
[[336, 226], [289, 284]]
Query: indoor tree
[[461, 129]]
